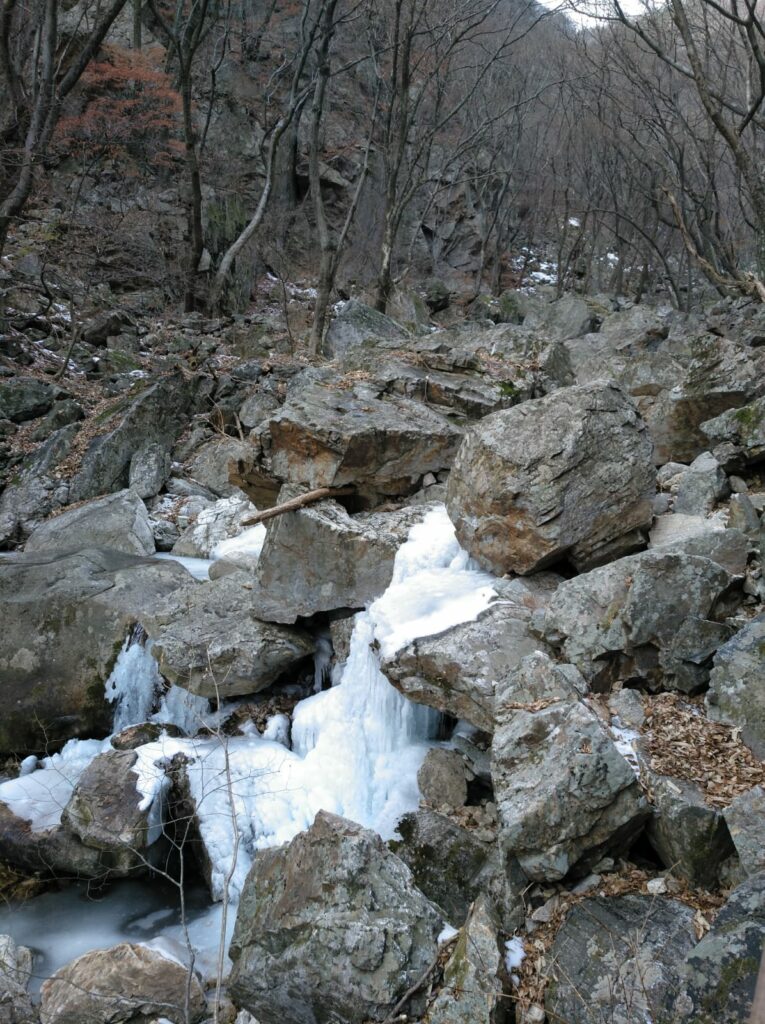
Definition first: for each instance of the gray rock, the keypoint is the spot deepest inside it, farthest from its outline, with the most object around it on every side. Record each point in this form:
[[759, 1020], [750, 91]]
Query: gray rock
[[321, 558], [565, 795], [15, 972], [61, 415], [618, 960], [441, 779], [356, 325], [25, 398], [702, 486], [103, 810], [567, 317], [65, 620], [257, 408], [471, 992], [330, 929], [719, 975], [691, 838], [740, 432], [436, 294], [157, 415], [328, 437], [736, 694], [222, 520], [117, 521], [569, 475], [706, 538], [457, 671], [149, 470], [648, 616], [745, 818], [453, 867], [127, 983], [34, 491], [209, 465], [208, 640]]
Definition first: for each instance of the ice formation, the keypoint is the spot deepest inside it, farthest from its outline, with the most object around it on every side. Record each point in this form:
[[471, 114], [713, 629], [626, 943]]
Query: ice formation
[[515, 954], [198, 567], [248, 542], [356, 747]]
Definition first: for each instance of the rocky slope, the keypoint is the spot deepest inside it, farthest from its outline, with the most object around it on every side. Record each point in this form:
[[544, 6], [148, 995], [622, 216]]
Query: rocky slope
[[477, 736]]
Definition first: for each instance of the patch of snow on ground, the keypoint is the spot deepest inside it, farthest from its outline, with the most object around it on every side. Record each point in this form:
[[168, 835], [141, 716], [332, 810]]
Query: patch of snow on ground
[[515, 954], [248, 542]]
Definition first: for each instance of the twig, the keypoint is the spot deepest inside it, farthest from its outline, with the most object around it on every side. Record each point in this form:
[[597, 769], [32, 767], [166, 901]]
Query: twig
[[410, 991]]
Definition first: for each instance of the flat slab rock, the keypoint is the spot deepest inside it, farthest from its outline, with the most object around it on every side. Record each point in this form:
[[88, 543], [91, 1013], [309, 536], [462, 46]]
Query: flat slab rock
[[332, 437], [118, 521], [568, 475], [736, 693], [330, 929]]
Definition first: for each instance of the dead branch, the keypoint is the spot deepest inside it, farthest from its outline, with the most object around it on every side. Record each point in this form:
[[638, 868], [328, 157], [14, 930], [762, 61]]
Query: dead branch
[[309, 498]]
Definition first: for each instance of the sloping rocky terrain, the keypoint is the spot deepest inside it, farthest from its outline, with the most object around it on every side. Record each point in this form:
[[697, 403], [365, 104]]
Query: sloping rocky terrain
[[474, 735]]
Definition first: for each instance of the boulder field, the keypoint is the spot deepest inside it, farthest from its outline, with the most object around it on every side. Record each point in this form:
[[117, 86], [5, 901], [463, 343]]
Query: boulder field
[[439, 662]]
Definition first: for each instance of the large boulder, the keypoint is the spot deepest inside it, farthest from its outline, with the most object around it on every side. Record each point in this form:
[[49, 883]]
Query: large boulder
[[208, 640], [565, 794], [118, 521], [127, 983], [453, 867], [321, 558], [209, 465], [718, 978], [65, 620], [356, 325], [649, 616], [334, 437], [25, 398], [618, 960], [457, 671], [569, 475], [157, 415], [330, 930], [105, 809], [736, 694]]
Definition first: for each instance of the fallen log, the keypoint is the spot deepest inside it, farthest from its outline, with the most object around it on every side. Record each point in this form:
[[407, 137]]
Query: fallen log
[[309, 498]]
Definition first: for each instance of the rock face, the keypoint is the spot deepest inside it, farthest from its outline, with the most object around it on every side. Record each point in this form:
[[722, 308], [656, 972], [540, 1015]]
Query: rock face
[[54, 852], [321, 558], [209, 466], [569, 475], [149, 469], [25, 398], [356, 324], [330, 929], [618, 960], [457, 671], [127, 983], [65, 621], [118, 521], [472, 991], [719, 975], [331, 437], [103, 810], [34, 491], [736, 695], [208, 640], [649, 617], [565, 794]]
